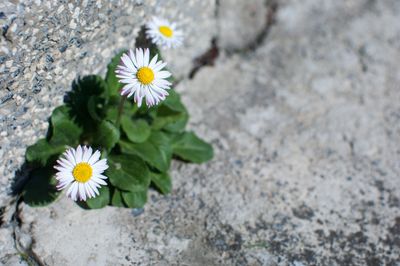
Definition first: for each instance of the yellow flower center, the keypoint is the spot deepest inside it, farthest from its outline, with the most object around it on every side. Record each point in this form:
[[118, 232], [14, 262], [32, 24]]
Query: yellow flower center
[[82, 172], [145, 75], [166, 31]]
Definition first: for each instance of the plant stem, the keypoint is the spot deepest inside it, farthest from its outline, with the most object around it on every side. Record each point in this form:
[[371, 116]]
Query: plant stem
[[120, 110]]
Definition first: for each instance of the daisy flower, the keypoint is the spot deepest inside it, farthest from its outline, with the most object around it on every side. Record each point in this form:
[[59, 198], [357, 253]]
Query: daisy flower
[[84, 170], [144, 78], [164, 33]]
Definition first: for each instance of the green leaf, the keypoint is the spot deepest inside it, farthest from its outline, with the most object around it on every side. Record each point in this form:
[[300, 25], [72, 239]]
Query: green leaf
[[174, 122], [100, 200], [111, 79], [136, 130], [40, 190], [64, 130], [173, 101], [178, 125], [84, 109], [156, 151], [191, 148], [171, 115], [107, 135], [135, 199], [117, 199], [113, 105], [128, 173], [41, 151], [162, 181], [96, 108]]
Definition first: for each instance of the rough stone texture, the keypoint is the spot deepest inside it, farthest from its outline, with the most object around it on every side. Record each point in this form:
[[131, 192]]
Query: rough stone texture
[[306, 132]]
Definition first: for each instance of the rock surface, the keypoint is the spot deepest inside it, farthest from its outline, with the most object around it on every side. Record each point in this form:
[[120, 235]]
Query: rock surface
[[304, 118]]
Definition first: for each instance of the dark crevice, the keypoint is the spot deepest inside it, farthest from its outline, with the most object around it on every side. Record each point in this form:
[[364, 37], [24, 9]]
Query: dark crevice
[[206, 59], [350, 142], [361, 53], [26, 253], [5, 28], [2, 211], [217, 6], [272, 8], [4, 33], [6, 98]]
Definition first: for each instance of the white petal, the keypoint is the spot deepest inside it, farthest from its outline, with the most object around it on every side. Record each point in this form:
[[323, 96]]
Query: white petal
[[60, 168], [63, 184], [146, 58], [127, 61], [139, 92], [159, 91], [64, 162], [133, 58], [150, 101], [73, 191], [124, 69], [153, 61], [127, 89], [129, 80], [139, 57], [82, 193], [61, 175], [131, 92], [70, 189], [87, 152], [98, 169], [139, 102], [93, 186], [70, 155], [160, 65], [100, 164], [89, 190], [67, 178], [98, 180], [139, 95], [101, 176], [163, 74], [162, 83], [94, 158], [78, 156], [126, 74]]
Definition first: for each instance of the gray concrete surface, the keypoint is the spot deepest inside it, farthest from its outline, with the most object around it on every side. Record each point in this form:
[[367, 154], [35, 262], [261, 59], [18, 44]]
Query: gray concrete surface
[[304, 119]]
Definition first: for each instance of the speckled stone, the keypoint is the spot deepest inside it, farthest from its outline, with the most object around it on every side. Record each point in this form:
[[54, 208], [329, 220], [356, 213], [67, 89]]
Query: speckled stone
[[306, 132]]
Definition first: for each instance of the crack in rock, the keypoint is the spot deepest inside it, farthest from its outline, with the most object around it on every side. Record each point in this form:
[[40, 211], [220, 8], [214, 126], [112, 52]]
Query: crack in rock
[[272, 8], [208, 58], [23, 242]]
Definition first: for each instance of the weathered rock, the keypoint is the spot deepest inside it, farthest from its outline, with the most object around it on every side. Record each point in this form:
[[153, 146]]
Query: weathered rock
[[306, 134]]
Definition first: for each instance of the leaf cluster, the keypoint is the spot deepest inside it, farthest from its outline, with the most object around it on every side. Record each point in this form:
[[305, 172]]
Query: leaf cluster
[[139, 145]]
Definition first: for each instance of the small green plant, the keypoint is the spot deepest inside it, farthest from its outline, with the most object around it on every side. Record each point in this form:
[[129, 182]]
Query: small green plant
[[138, 143]]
